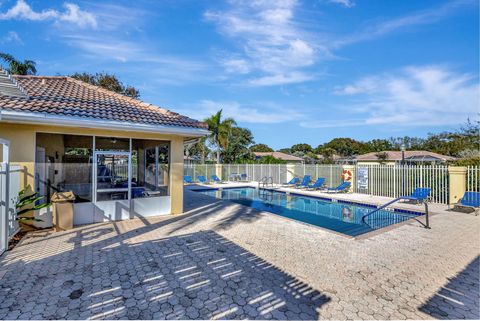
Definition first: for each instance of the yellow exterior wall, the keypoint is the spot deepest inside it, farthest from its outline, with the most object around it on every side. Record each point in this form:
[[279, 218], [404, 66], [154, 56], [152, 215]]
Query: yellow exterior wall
[[22, 151]]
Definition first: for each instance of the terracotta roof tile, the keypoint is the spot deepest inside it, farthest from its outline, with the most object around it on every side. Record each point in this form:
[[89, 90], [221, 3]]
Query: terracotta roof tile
[[66, 96]]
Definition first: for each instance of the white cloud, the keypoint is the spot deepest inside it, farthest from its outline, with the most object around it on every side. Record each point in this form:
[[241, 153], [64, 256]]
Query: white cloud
[[413, 19], [272, 43], [142, 60], [264, 113], [73, 14], [426, 95], [76, 16], [281, 79], [11, 37], [345, 3]]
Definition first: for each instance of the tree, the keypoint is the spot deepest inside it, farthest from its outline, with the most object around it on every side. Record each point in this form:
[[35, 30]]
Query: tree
[[382, 156], [270, 160], [285, 150], [304, 148], [347, 146], [238, 142], [16, 67], [378, 145], [261, 148], [327, 154], [220, 132], [107, 81], [199, 149]]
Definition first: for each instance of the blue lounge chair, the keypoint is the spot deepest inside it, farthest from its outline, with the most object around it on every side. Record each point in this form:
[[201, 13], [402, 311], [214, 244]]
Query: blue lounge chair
[[202, 179], [243, 177], [187, 179], [319, 184], [420, 194], [294, 181], [470, 200], [215, 179], [305, 181], [340, 188]]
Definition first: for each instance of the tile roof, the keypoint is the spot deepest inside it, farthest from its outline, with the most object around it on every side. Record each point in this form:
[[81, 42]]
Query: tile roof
[[279, 155], [68, 97], [397, 155]]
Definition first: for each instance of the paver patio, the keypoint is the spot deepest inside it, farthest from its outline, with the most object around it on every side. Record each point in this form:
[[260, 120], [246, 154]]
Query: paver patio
[[224, 260]]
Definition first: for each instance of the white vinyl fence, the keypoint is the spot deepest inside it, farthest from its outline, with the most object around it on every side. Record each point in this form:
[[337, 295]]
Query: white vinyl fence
[[473, 179], [399, 180], [332, 173], [372, 179], [8, 198]]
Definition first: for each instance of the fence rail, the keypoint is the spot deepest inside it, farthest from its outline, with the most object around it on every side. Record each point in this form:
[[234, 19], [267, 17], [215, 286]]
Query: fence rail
[[399, 180]]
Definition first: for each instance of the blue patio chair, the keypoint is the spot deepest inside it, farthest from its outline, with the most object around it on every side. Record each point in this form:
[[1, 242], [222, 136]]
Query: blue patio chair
[[319, 184], [243, 177], [202, 179], [420, 194], [343, 187], [216, 179], [469, 200], [294, 181], [305, 181], [187, 179]]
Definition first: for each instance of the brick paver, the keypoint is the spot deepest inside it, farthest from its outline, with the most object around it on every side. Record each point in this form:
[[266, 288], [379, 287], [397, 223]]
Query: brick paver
[[226, 261]]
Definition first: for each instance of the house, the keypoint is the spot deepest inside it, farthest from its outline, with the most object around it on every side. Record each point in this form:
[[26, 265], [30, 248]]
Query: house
[[121, 157], [278, 155], [395, 157]]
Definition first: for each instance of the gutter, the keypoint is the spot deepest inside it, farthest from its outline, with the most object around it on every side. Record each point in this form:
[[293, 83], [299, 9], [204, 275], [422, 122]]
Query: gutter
[[47, 119]]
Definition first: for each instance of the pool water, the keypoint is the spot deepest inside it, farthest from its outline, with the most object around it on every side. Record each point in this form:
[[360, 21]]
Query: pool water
[[345, 218]]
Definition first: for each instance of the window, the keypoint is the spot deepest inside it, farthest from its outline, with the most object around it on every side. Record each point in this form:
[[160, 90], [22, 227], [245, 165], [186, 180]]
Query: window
[[150, 168], [64, 163]]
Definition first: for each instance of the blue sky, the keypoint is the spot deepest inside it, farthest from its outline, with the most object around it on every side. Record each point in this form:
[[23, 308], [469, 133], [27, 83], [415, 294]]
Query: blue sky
[[291, 71]]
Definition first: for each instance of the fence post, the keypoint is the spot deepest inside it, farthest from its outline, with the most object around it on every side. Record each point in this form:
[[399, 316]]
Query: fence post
[[290, 172], [457, 177], [219, 171], [352, 169]]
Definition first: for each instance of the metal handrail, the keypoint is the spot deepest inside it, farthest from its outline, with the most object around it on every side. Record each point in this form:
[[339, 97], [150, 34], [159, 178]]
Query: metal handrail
[[427, 221], [265, 181]]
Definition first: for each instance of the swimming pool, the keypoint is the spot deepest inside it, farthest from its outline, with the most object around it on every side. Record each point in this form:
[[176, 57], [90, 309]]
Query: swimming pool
[[338, 216]]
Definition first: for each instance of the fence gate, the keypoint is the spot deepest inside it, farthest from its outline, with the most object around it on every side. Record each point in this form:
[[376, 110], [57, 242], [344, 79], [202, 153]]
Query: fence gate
[[4, 195]]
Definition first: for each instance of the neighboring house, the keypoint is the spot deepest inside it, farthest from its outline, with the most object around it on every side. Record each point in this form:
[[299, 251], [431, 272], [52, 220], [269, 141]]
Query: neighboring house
[[410, 157], [278, 155], [121, 157]]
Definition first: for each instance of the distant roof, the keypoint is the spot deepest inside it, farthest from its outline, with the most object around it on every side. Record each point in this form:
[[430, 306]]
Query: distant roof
[[279, 155], [409, 154], [68, 97]]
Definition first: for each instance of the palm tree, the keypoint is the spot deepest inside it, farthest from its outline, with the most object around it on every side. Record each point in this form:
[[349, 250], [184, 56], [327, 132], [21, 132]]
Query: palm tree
[[16, 67], [220, 131]]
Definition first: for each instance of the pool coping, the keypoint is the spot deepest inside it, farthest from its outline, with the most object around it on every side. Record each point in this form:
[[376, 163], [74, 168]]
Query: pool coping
[[363, 236]]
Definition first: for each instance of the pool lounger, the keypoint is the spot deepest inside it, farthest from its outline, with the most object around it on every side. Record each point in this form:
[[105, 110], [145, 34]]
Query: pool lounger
[[470, 200], [304, 184], [318, 185], [343, 187], [217, 180]]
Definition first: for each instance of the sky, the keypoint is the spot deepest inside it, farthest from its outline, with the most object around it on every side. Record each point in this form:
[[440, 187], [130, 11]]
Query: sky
[[291, 71]]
